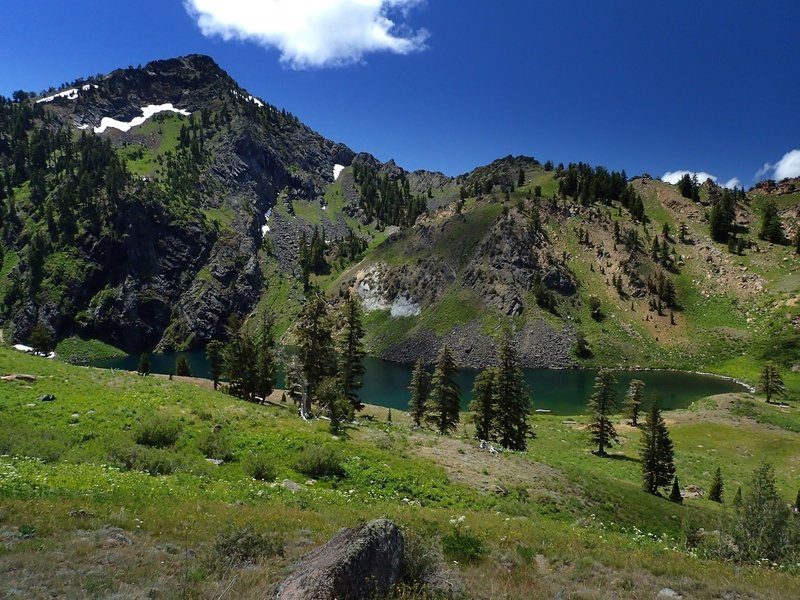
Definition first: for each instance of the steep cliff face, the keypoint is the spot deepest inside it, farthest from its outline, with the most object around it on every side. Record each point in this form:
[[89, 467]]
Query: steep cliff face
[[177, 250]]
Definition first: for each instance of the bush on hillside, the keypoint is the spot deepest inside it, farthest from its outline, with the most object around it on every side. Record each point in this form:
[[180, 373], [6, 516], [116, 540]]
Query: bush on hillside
[[243, 546], [157, 432], [261, 466], [320, 462]]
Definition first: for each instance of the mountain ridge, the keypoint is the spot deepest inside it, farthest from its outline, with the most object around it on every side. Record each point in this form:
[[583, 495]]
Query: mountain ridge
[[207, 220]]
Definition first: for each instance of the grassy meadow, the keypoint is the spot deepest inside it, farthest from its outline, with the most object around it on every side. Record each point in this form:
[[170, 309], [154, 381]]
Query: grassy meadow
[[110, 491]]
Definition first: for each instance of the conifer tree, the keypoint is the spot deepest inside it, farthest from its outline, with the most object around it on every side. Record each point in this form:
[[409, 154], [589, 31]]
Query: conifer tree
[[144, 364], [315, 346], [511, 398], [40, 339], [675, 493], [771, 226], [332, 399], [737, 498], [265, 357], [797, 503], [214, 351], [295, 383], [797, 241], [482, 405], [419, 388], [182, 368], [239, 367], [633, 401], [602, 405], [351, 351], [717, 486], [445, 396], [658, 466], [771, 382], [762, 518]]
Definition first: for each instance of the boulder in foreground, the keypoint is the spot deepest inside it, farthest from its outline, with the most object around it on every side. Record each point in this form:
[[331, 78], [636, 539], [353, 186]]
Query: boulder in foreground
[[362, 562]]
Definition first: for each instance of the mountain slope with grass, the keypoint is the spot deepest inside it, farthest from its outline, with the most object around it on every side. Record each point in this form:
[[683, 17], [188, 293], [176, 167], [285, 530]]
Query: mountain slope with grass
[[133, 486], [155, 207]]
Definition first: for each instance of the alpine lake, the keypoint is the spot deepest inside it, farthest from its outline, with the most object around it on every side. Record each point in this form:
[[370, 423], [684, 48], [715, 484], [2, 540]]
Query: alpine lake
[[555, 391]]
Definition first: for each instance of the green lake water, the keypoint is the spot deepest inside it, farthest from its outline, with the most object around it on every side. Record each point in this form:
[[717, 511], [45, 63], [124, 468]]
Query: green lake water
[[561, 392]]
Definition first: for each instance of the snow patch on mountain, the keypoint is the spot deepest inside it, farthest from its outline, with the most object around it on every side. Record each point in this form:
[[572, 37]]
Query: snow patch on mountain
[[70, 94], [337, 170], [147, 112]]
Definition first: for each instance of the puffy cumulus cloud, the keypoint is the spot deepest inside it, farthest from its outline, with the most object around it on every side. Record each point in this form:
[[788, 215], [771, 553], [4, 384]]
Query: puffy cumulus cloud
[[675, 176], [788, 166], [312, 33], [733, 183]]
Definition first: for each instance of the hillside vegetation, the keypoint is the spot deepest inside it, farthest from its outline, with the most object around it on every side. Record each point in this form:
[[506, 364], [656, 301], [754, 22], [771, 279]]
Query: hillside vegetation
[[109, 489], [160, 236]]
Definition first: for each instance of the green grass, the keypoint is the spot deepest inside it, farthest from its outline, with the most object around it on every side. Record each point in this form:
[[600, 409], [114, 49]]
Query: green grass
[[63, 477], [10, 262], [154, 138], [456, 307], [221, 217], [75, 349]]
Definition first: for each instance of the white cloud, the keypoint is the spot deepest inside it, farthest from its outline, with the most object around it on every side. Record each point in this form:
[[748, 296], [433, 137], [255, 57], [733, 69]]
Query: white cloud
[[312, 33], [675, 176], [733, 183], [788, 166], [763, 170]]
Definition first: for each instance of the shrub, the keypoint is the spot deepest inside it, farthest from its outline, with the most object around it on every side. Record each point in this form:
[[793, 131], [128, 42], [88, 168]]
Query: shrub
[[320, 462], [261, 467], [422, 561], [761, 527], [132, 457], [157, 432], [217, 445], [461, 545], [245, 546]]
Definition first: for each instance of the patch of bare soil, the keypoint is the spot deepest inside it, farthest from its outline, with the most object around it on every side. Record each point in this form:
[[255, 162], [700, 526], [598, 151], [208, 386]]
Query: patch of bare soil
[[499, 473]]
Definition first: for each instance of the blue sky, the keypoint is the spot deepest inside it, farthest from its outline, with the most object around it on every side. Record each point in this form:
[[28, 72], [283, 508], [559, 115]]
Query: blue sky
[[650, 87]]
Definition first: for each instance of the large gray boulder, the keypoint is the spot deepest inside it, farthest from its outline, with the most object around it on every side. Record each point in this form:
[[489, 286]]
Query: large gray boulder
[[362, 562]]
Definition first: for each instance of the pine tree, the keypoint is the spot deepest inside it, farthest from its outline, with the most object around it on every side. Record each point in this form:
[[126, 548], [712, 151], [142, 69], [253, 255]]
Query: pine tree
[[658, 466], [144, 364], [511, 398], [715, 493], [332, 399], [602, 404], [771, 382], [214, 351], [295, 383], [675, 493], [351, 351], [419, 388], [265, 360], [445, 396], [482, 405], [315, 346], [633, 401], [40, 339], [797, 503], [797, 241], [762, 519], [182, 368], [771, 226], [239, 367], [737, 498]]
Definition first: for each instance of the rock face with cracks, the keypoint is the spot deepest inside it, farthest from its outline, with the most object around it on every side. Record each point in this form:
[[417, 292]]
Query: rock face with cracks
[[358, 563]]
